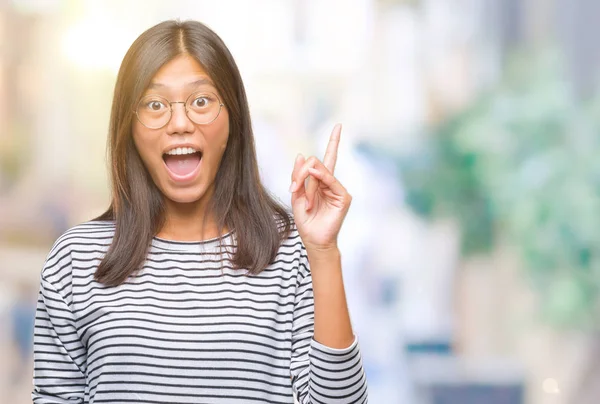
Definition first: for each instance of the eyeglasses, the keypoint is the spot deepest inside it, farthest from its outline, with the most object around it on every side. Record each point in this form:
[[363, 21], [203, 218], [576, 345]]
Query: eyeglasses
[[154, 111]]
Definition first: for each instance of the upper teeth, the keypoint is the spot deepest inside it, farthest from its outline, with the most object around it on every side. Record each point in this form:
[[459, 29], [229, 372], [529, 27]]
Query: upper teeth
[[181, 150]]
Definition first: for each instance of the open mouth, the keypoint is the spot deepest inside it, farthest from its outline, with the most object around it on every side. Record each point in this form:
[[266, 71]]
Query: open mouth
[[182, 162]]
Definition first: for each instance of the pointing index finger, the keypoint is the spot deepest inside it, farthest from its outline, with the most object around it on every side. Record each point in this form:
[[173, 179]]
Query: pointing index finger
[[332, 148]]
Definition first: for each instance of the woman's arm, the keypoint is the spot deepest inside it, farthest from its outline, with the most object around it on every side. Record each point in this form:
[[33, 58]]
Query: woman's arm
[[322, 373], [319, 204], [58, 354], [332, 320]]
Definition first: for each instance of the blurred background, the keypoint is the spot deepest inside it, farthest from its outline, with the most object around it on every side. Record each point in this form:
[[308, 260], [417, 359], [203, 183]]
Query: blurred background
[[471, 131]]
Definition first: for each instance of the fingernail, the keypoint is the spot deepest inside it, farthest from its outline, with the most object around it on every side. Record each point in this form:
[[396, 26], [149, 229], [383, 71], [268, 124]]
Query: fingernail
[[293, 186], [306, 205]]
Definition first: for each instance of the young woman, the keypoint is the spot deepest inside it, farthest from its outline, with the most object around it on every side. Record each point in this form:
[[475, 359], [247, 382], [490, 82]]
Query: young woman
[[196, 286]]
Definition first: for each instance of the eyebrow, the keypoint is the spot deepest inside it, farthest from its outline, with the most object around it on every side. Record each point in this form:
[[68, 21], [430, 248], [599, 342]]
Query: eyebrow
[[197, 83]]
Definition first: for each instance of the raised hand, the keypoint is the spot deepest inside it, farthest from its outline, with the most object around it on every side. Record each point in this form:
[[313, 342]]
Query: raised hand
[[319, 201]]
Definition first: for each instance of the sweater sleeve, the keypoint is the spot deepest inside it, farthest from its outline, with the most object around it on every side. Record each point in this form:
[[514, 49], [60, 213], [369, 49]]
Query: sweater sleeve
[[59, 355], [321, 374]]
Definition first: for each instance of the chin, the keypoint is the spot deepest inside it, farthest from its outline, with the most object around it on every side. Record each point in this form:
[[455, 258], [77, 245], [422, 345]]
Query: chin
[[184, 196]]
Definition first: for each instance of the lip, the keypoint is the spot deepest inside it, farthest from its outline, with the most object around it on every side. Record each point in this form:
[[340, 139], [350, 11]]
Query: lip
[[183, 178]]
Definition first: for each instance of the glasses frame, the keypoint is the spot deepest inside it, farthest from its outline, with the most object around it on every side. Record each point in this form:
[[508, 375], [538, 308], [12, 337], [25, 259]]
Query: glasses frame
[[221, 105]]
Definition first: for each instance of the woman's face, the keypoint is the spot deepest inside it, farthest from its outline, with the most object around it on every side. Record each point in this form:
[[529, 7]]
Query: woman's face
[[181, 176]]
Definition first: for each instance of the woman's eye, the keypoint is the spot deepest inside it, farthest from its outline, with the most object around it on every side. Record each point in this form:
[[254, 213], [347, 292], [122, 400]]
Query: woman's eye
[[155, 105], [200, 102]]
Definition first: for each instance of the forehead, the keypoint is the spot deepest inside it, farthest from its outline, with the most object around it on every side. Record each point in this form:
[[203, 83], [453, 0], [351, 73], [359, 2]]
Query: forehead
[[183, 72]]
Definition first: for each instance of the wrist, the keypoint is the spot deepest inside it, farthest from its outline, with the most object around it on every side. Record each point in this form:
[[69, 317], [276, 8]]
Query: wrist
[[326, 254]]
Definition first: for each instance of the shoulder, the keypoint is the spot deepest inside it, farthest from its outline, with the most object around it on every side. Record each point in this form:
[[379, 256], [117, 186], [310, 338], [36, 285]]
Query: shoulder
[[291, 238], [85, 237], [93, 233], [292, 248]]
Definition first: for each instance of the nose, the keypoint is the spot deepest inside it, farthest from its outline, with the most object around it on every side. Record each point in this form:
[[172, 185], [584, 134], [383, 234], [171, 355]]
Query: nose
[[179, 123]]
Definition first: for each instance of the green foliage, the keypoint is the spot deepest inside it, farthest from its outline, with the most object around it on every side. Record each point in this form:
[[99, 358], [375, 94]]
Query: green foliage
[[523, 163]]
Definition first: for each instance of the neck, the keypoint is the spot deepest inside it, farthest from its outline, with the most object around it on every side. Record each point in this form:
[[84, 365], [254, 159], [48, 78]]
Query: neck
[[188, 222]]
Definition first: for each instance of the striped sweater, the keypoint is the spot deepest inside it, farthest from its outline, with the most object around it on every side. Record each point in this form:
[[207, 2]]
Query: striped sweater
[[187, 329]]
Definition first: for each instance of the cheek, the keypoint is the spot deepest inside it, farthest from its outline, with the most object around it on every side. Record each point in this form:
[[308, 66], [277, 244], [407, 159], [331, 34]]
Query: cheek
[[224, 133], [143, 147], [217, 137], [217, 151]]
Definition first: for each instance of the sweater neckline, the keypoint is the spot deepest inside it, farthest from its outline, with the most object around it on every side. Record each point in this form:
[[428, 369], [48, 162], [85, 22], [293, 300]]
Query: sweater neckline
[[211, 244]]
